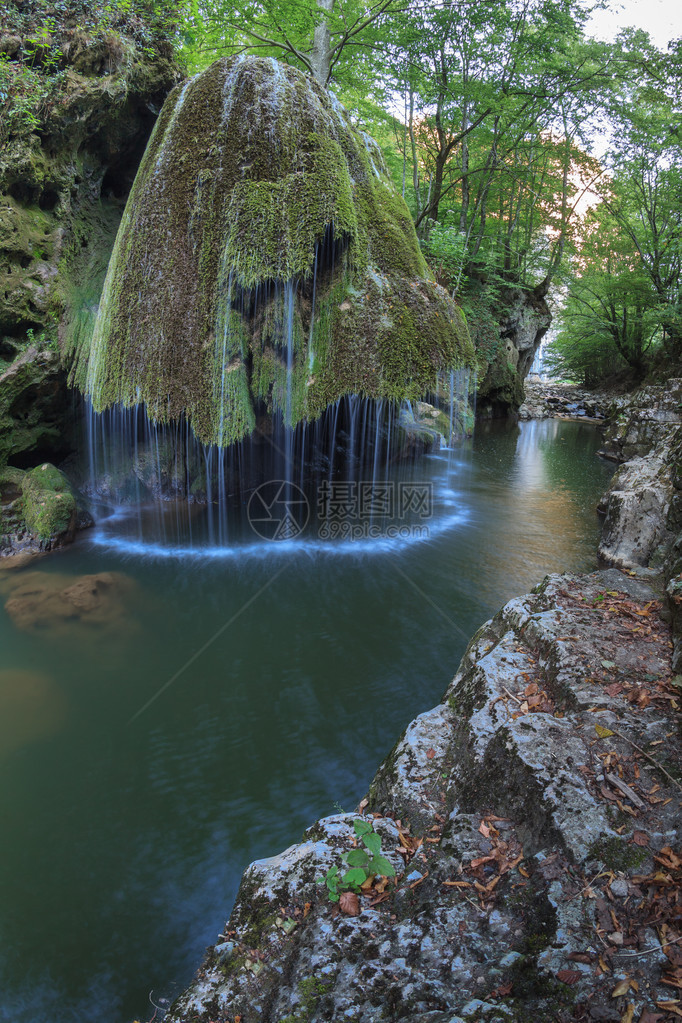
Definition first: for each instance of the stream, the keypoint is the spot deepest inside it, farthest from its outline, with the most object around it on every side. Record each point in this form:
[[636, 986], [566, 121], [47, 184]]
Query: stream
[[218, 702]]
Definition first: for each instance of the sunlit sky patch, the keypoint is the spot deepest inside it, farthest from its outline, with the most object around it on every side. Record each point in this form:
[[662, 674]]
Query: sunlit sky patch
[[662, 19]]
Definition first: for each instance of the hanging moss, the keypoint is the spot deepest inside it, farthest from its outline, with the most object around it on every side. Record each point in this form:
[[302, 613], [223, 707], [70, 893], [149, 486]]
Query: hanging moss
[[256, 196]]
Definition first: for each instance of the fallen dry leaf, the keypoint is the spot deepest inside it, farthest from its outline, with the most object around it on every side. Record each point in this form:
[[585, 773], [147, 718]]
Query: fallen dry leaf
[[569, 976], [670, 1007], [501, 992], [640, 838], [349, 904]]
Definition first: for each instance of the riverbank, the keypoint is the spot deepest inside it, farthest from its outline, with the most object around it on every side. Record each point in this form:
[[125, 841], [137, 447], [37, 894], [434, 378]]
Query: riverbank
[[546, 399], [527, 816], [531, 818]]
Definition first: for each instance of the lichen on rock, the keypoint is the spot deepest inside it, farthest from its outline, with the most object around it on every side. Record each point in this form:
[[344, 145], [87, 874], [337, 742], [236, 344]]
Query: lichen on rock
[[264, 263]]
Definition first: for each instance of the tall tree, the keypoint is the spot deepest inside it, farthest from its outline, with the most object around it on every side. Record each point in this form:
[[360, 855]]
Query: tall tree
[[611, 317], [643, 192], [316, 35]]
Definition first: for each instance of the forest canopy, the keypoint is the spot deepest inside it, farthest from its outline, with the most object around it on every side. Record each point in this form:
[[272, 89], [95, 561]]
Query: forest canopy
[[530, 155]]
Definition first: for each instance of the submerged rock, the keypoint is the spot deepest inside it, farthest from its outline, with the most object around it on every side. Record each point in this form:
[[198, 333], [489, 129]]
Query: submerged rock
[[45, 601], [31, 707], [264, 263]]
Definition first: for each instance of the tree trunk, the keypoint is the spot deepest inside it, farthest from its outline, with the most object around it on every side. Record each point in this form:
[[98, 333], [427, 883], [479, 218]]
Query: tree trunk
[[320, 55], [464, 211]]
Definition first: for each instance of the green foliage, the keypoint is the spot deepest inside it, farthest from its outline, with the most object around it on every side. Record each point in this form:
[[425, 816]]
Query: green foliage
[[33, 76], [352, 47], [611, 318], [362, 863]]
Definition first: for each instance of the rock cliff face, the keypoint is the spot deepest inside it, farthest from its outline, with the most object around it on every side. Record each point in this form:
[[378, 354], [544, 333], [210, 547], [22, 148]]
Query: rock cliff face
[[644, 505], [81, 89], [520, 819], [265, 266], [643, 526], [523, 321]]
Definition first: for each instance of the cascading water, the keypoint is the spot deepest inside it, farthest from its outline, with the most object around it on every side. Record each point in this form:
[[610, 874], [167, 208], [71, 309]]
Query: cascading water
[[267, 315], [157, 484]]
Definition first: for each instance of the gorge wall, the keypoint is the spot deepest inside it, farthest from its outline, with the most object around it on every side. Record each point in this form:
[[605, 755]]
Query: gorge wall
[[81, 89]]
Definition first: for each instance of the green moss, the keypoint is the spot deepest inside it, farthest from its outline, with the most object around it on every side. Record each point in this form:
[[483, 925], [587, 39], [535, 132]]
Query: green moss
[[76, 292], [27, 403], [254, 192], [49, 506], [310, 991], [272, 227], [616, 854]]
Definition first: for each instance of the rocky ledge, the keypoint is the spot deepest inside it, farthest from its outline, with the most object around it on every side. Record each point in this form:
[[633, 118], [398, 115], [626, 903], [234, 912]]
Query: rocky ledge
[[531, 819], [547, 399]]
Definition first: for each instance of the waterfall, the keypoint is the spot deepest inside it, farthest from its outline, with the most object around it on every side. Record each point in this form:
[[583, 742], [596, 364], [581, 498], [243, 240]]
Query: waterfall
[[267, 314]]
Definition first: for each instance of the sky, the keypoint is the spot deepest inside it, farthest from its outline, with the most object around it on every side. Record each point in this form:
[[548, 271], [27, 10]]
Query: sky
[[662, 19]]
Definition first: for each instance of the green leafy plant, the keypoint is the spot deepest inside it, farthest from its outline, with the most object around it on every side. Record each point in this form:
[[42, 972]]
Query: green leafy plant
[[363, 862]]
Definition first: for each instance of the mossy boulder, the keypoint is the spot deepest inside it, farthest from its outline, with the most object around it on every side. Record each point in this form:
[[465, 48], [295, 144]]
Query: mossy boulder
[[507, 330], [264, 264], [38, 510], [49, 504]]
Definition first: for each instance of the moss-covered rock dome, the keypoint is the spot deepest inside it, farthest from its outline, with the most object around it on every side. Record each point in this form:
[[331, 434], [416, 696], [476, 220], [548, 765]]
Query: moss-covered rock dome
[[264, 264]]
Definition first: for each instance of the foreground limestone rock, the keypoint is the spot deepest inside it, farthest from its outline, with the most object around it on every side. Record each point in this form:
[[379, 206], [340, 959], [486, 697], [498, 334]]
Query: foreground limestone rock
[[522, 815]]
